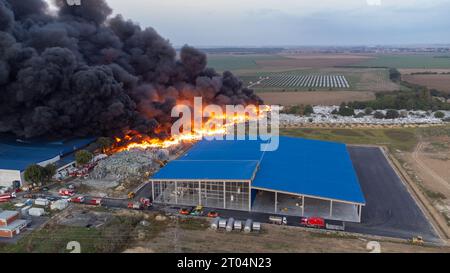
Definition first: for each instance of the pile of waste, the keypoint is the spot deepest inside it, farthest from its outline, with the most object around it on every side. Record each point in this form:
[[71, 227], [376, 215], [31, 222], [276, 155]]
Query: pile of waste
[[125, 164]]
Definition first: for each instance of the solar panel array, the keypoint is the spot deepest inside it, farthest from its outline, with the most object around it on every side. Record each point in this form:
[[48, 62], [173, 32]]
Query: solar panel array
[[318, 81]]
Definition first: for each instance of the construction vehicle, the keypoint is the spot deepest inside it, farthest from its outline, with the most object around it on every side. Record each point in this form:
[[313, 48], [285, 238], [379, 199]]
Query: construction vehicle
[[197, 211], [278, 220], [313, 222], [131, 195], [417, 240]]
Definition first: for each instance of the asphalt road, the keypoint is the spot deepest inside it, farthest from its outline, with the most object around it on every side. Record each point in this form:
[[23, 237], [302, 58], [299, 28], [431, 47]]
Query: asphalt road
[[390, 209]]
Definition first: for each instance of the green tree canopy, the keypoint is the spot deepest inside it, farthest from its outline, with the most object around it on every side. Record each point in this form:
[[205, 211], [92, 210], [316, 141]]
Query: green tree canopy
[[35, 174], [83, 157]]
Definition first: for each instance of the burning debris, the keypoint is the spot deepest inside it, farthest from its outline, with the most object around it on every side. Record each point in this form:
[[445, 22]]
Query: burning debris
[[80, 72]]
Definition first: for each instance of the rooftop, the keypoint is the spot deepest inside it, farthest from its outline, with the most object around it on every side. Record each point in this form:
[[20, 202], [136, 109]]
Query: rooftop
[[17, 154], [299, 166]]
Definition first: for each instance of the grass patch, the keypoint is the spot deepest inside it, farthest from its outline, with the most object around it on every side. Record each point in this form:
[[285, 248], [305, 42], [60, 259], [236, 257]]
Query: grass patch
[[434, 195], [7, 206], [403, 139], [115, 236], [193, 224]]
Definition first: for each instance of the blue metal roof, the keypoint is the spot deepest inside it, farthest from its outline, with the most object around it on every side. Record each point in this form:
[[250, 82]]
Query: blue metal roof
[[207, 170], [299, 166], [17, 155], [312, 168]]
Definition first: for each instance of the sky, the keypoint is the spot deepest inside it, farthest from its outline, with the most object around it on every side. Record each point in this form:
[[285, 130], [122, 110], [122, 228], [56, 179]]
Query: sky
[[292, 22]]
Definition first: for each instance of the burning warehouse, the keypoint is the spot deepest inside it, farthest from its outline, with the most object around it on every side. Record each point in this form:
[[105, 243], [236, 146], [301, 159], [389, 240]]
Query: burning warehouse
[[301, 177]]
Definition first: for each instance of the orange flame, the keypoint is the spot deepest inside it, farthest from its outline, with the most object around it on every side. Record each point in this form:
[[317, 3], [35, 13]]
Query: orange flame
[[215, 125]]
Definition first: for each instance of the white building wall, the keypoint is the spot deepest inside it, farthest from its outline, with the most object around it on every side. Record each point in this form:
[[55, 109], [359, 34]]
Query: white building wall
[[8, 176]]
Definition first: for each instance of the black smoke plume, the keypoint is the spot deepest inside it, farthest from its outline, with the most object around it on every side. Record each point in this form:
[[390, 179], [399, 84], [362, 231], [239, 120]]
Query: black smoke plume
[[80, 72]]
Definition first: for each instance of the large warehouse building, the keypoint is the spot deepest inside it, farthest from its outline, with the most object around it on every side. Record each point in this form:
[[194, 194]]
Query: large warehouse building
[[16, 156], [303, 178]]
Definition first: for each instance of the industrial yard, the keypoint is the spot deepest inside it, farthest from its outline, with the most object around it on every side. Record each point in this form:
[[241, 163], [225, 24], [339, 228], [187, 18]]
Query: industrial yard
[[330, 134]]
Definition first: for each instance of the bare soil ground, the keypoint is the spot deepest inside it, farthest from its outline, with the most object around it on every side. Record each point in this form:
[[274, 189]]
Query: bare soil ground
[[429, 166], [315, 98], [439, 82], [271, 239]]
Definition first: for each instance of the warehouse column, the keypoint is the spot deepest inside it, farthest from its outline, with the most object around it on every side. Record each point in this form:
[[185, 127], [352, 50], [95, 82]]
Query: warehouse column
[[331, 208], [303, 205], [176, 192], [224, 196], [249, 197], [276, 201], [199, 193], [153, 191], [359, 212]]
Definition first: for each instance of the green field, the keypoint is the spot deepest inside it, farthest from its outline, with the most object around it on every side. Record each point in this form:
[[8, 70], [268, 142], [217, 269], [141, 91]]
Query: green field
[[408, 61], [404, 139], [235, 63]]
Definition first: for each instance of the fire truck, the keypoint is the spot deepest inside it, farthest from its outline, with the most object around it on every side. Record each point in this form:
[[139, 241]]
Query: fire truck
[[7, 196], [66, 192]]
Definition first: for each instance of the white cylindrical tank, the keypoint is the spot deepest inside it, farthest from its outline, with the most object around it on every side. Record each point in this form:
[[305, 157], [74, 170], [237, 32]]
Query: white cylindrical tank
[[222, 223], [230, 224], [256, 226], [215, 223], [238, 225], [248, 225]]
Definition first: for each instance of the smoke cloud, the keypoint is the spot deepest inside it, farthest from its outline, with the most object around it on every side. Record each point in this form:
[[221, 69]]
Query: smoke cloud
[[81, 72]]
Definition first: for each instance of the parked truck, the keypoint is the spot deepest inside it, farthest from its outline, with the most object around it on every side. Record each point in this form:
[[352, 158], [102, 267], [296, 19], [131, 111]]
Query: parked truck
[[145, 202], [66, 192], [96, 201], [313, 222], [277, 220], [135, 205], [7, 196], [78, 199]]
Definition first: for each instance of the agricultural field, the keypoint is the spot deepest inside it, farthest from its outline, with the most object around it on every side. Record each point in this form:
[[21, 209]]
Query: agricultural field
[[352, 79], [423, 61], [315, 98], [439, 82], [288, 80]]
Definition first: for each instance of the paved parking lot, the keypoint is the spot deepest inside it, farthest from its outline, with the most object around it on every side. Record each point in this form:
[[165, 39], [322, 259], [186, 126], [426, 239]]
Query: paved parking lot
[[390, 209]]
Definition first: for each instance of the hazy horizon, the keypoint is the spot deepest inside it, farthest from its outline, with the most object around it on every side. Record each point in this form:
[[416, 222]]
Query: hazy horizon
[[264, 23]]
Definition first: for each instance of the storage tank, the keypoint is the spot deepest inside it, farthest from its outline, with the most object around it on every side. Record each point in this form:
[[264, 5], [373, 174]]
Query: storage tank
[[230, 224], [248, 225], [256, 226], [222, 223], [215, 223], [238, 225]]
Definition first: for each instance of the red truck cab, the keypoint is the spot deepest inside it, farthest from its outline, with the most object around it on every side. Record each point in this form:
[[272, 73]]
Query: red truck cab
[[78, 199], [313, 222], [65, 192]]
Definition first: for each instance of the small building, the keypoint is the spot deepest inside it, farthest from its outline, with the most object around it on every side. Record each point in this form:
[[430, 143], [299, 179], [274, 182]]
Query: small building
[[7, 217], [17, 155], [10, 224]]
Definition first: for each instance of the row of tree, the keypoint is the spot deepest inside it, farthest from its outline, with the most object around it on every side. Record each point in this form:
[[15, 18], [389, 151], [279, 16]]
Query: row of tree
[[41, 175], [299, 110]]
